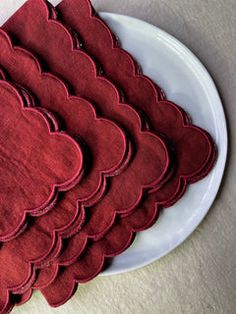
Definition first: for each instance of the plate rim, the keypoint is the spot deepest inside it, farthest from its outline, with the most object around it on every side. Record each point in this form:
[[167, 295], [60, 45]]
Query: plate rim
[[224, 149]]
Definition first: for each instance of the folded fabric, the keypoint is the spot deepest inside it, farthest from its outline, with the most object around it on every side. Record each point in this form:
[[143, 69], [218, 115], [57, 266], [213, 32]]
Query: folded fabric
[[36, 162], [76, 113], [100, 42], [43, 238], [174, 188], [57, 48], [188, 139], [77, 116], [19, 63], [121, 234], [59, 285]]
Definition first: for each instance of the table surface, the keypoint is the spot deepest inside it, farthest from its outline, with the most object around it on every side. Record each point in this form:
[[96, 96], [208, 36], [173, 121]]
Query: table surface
[[200, 275]]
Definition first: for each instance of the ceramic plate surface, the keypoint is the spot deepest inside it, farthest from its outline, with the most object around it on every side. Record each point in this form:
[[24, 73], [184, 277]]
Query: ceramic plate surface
[[185, 81]]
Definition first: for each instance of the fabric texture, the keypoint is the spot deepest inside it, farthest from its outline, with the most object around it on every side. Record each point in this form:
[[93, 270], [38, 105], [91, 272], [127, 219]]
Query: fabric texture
[[150, 151], [76, 115], [199, 276], [54, 27], [35, 45], [27, 129], [16, 60], [198, 166], [58, 50], [103, 39], [41, 240], [45, 162]]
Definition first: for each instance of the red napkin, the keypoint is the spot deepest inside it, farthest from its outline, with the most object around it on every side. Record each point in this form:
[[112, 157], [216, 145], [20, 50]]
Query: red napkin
[[188, 139], [43, 239], [77, 116], [121, 234], [24, 68], [36, 162], [100, 42], [57, 49], [177, 186]]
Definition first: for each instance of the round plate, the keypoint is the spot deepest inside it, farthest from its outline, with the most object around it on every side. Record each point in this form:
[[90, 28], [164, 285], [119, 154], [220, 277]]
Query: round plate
[[186, 81]]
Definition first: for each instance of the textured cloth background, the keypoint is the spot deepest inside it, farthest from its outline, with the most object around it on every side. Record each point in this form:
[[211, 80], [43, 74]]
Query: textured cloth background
[[200, 276]]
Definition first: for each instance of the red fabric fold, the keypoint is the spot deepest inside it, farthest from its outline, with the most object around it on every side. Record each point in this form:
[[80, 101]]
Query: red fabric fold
[[36, 163]]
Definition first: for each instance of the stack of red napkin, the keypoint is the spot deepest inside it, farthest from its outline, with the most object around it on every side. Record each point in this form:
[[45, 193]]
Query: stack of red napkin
[[91, 150]]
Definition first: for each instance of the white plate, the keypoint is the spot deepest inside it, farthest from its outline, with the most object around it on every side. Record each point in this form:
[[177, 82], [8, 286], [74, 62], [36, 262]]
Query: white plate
[[186, 81]]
